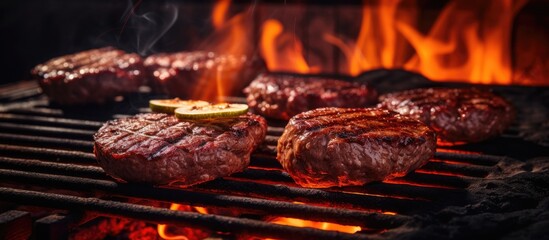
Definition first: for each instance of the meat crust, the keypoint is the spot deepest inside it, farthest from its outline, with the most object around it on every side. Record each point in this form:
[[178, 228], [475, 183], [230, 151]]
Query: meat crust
[[200, 74], [329, 147], [158, 148], [93, 76], [283, 96], [458, 116]]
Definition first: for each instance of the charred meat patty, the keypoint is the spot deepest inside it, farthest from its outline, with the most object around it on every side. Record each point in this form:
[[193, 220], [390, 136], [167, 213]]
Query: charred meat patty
[[93, 76], [458, 115], [329, 147], [158, 148], [200, 74], [282, 96]]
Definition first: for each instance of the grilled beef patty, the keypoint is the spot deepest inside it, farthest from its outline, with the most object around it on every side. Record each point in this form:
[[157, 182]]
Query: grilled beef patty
[[457, 115], [283, 96], [158, 148], [329, 147], [199, 74], [93, 76]]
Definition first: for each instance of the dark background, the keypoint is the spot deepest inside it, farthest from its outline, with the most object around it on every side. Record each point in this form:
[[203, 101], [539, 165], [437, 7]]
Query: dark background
[[35, 31]]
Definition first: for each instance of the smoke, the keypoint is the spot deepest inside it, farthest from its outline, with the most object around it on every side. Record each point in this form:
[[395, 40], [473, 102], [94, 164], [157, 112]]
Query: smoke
[[150, 26]]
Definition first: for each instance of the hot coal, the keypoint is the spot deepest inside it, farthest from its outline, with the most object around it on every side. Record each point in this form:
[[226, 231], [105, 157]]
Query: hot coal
[[458, 115], [93, 76], [282, 96], [329, 147], [160, 149], [512, 203]]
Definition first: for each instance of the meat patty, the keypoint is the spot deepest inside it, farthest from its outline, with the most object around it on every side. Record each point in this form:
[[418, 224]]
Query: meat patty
[[329, 147], [199, 74], [158, 148], [283, 96], [457, 115], [93, 76]]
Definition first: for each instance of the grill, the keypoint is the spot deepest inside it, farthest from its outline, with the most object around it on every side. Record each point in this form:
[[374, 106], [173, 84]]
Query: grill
[[46, 161]]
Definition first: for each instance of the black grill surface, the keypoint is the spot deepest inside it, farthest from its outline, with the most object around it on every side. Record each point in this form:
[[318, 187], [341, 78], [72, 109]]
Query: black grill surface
[[495, 189]]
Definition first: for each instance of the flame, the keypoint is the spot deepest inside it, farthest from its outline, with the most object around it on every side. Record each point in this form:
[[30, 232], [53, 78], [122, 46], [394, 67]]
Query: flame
[[282, 51], [231, 38], [377, 41], [468, 41], [486, 43], [312, 224], [163, 228], [219, 13]]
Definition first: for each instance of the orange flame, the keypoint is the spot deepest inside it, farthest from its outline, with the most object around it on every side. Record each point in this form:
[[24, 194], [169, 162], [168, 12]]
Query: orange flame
[[312, 224], [219, 13], [468, 41], [282, 51], [231, 38], [485, 43], [163, 228]]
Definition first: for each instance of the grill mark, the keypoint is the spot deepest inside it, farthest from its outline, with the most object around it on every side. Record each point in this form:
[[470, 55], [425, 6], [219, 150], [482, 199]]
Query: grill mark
[[364, 129], [317, 113], [327, 121], [115, 125], [362, 125]]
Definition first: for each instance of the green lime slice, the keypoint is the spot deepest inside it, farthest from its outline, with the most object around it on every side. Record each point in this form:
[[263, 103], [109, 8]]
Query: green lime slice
[[220, 110], [169, 105]]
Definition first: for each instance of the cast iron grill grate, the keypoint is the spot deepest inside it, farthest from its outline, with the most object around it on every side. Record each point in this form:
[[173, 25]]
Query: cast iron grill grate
[[46, 160]]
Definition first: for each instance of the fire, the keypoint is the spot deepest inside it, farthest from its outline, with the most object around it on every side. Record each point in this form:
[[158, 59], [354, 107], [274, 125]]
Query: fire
[[219, 13], [485, 43], [282, 51], [231, 39], [468, 41], [182, 234], [312, 224]]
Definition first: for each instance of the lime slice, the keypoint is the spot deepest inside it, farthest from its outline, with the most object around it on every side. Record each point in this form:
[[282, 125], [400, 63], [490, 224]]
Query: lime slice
[[220, 110], [169, 105]]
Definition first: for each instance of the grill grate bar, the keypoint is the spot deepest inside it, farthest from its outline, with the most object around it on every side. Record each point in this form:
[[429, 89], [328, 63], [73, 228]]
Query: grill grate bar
[[477, 159], [46, 141], [187, 197], [457, 169], [395, 190], [320, 197], [32, 165], [19, 91], [38, 111], [48, 131], [50, 121], [438, 180], [165, 216], [48, 154]]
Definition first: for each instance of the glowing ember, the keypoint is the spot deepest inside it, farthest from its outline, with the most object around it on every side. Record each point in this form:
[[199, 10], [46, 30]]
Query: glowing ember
[[179, 233], [318, 225]]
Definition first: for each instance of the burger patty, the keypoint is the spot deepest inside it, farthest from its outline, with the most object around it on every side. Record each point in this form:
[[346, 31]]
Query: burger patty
[[158, 148], [93, 76], [329, 147], [457, 115], [199, 74], [283, 96]]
